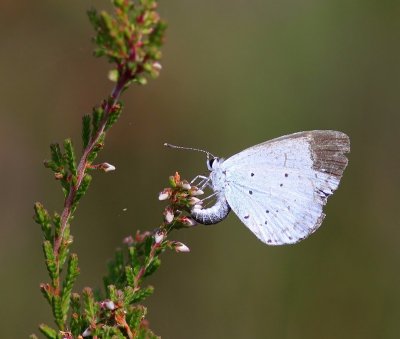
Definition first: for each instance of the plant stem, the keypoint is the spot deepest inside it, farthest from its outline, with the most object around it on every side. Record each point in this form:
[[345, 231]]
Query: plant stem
[[83, 163]]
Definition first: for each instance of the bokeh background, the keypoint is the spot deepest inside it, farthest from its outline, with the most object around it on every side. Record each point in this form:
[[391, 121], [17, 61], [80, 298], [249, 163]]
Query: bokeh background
[[235, 73]]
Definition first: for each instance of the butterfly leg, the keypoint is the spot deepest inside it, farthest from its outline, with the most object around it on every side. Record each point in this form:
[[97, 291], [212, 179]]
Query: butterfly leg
[[203, 182]]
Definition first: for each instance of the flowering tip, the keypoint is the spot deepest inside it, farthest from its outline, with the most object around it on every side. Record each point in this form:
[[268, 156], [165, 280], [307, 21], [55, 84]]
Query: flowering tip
[[174, 180], [168, 215], [159, 236], [179, 247], [165, 194]]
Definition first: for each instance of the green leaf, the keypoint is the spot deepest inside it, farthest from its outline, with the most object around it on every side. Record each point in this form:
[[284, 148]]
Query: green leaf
[[143, 293], [43, 219], [130, 277], [86, 130], [97, 116], [50, 260], [48, 331], [96, 148], [90, 306], [152, 267], [135, 315], [72, 273], [47, 293], [57, 223], [112, 292], [76, 321], [115, 113], [57, 312], [56, 155], [70, 156], [64, 248], [82, 188], [133, 256]]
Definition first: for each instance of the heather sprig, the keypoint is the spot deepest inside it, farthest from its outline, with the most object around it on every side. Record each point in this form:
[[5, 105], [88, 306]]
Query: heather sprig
[[131, 40]]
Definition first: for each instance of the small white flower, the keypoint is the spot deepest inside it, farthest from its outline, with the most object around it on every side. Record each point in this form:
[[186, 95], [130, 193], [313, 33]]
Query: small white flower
[[179, 247]]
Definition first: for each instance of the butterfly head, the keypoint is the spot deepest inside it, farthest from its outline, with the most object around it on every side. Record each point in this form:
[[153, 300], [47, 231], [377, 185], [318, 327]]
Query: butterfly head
[[212, 162]]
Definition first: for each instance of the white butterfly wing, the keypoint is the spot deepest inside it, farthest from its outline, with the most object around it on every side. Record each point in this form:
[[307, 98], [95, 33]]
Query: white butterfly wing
[[278, 188]]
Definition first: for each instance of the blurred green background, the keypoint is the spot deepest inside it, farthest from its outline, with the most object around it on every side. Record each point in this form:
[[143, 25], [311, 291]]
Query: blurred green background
[[235, 73]]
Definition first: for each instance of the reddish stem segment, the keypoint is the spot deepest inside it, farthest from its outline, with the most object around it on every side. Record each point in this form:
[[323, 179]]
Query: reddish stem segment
[[83, 163]]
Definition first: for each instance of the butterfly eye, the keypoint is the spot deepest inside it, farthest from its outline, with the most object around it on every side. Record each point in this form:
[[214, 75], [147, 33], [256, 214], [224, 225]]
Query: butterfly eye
[[211, 162]]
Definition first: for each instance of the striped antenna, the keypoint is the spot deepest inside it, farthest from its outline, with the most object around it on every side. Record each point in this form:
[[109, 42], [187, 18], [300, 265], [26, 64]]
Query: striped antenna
[[190, 149]]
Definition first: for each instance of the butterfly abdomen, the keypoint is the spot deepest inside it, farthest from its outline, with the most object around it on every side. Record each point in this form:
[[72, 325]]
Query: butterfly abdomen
[[214, 214]]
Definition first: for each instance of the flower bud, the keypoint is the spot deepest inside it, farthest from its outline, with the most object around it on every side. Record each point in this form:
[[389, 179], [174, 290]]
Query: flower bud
[[128, 240], [196, 191], [194, 201], [179, 247], [168, 215], [185, 185], [159, 236], [157, 66], [187, 221], [165, 194], [109, 304], [108, 167], [87, 332]]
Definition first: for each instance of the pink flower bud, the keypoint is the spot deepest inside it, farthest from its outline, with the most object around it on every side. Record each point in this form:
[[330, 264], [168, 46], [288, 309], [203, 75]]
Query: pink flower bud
[[185, 185], [196, 191], [106, 167], [157, 66], [87, 332], [168, 215], [194, 201], [179, 247], [109, 304], [164, 195], [187, 221], [128, 240], [159, 236]]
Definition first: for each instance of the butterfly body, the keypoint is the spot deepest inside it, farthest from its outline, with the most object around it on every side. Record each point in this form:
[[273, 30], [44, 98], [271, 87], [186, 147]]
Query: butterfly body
[[278, 188]]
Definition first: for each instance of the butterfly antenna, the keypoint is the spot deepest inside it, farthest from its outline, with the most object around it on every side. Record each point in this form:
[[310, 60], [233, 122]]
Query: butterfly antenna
[[190, 149]]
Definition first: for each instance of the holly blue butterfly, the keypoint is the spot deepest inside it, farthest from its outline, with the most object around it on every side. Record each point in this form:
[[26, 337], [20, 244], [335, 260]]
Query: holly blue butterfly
[[277, 188]]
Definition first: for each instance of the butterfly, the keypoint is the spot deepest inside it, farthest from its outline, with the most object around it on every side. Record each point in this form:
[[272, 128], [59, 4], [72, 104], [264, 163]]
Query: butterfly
[[277, 188]]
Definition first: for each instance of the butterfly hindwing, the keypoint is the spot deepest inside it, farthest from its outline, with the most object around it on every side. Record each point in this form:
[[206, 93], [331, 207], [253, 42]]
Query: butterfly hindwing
[[278, 188]]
